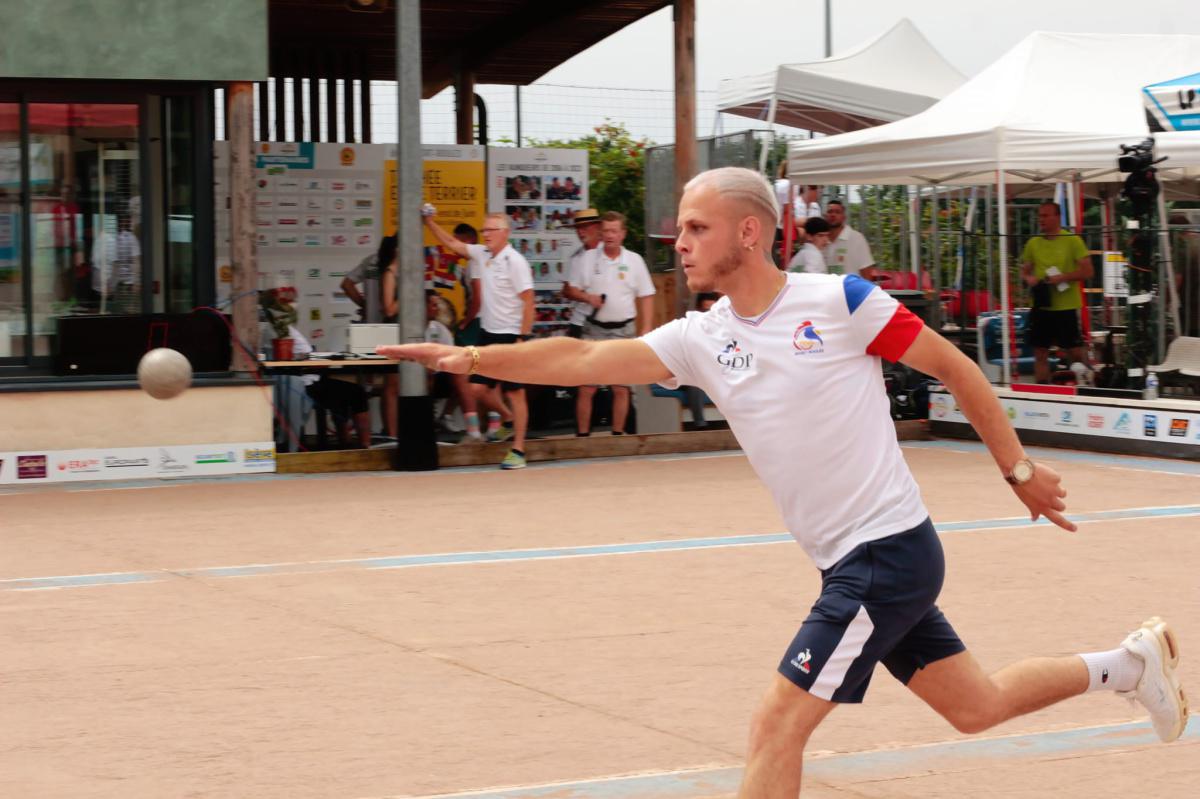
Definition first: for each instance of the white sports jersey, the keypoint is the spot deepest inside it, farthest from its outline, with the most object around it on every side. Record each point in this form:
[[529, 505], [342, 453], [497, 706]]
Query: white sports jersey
[[622, 281], [503, 277], [577, 270], [849, 254], [802, 389]]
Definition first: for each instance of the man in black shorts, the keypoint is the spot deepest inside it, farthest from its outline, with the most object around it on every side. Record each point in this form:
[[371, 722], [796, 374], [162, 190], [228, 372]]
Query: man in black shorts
[[1054, 265], [505, 285]]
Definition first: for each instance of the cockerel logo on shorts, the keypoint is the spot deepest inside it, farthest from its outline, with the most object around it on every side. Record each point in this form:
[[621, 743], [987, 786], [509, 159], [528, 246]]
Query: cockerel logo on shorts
[[801, 661]]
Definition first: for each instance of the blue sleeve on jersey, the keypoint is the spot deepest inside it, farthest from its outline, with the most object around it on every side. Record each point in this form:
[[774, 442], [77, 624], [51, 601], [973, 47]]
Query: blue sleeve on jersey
[[856, 290]]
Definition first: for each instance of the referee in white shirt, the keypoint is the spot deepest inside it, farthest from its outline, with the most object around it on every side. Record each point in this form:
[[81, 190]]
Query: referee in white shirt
[[620, 292]]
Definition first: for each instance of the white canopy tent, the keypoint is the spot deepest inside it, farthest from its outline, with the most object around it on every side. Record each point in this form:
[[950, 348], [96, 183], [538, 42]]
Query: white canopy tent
[[894, 76], [1055, 108]]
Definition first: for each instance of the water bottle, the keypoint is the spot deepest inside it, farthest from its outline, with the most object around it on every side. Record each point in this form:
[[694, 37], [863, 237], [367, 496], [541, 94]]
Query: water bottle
[[1151, 391]]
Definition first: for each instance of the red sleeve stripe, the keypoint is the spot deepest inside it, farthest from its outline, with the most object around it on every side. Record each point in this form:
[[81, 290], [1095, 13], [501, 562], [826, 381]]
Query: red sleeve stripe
[[897, 335]]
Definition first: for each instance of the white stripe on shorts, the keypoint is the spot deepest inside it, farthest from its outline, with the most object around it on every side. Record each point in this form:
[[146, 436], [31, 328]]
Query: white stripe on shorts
[[850, 647]]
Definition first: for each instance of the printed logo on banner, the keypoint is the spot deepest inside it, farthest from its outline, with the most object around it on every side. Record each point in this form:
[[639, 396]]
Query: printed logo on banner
[[1067, 419], [314, 222], [940, 405], [314, 204], [287, 204], [1179, 428], [1011, 412], [216, 457], [364, 205], [258, 457], [114, 462], [1095, 421], [1150, 425], [339, 240], [313, 274], [347, 156], [287, 184], [313, 240], [314, 184], [169, 464], [287, 240], [338, 222], [263, 241], [365, 240], [364, 187], [1035, 414], [338, 185], [365, 221], [79, 465], [314, 314], [337, 204], [31, 467], [1123, 423], [318, 333]]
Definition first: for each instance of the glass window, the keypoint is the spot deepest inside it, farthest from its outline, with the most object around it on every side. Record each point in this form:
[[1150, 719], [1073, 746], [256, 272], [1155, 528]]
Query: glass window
[[180, 155], [12, 302], [85, 212]]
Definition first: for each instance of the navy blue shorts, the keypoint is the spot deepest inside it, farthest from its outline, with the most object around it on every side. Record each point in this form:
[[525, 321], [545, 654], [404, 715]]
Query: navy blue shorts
[[486, 338], [876, 606]]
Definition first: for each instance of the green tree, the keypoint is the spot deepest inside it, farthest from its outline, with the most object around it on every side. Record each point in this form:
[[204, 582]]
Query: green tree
[[616, 172]]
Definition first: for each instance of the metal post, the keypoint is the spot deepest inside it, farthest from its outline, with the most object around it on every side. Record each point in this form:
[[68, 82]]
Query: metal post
[[1005, 308], [914, 228], [1166, 279], [828, 29], [518, 91], [416, 445]]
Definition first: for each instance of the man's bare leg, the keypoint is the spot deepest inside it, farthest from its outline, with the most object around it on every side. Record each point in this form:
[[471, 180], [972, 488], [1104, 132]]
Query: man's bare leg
[[1041, 364], [583, 409], [972, 701], [785, 719], [620, 411]]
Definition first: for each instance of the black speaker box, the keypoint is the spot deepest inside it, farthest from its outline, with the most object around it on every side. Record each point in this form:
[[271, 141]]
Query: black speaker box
[[113, 345]]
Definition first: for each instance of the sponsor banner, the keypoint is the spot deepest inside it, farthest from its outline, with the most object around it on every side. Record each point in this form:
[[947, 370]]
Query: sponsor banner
[[1179, 427], [324, 207], [126, 463]]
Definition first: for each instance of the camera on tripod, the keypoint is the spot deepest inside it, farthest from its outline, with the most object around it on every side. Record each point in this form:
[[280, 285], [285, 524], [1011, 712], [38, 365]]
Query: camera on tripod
[[1137, 157], [1141, 187]]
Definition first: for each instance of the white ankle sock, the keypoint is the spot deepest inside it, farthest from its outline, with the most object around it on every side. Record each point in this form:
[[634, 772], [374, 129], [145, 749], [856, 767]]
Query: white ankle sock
[[1115, 670]]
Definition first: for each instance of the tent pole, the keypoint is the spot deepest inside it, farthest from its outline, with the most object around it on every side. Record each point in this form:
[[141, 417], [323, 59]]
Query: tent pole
[[770, 143], [1005, 332], [914, 227]]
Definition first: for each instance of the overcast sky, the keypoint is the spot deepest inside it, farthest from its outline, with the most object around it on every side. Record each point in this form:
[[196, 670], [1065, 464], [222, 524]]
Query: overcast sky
[[744, 37]]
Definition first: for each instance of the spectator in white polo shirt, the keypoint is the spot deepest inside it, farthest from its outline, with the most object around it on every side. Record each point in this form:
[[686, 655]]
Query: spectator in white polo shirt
[[848, 252], [620, 291], [587, 227], [506, 316]]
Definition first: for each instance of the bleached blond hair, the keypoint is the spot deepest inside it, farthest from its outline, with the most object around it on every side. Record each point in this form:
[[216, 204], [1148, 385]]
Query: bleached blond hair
[[745, 187]]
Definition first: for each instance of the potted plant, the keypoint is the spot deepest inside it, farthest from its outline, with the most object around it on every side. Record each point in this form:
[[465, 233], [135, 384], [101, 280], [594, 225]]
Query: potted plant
[[278, 305]]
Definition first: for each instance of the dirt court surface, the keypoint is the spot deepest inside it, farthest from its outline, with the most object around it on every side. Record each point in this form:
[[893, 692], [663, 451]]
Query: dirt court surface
[[591, 630]]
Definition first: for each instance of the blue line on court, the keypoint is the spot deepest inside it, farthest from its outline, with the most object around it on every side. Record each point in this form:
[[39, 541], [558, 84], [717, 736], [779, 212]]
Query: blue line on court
[[849, 767], [547, 553]]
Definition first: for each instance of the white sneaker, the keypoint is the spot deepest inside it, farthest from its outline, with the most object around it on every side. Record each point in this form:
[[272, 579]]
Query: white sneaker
[[1158, 690]]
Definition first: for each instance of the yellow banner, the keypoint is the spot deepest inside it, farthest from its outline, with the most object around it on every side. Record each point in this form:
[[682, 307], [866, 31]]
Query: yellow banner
[[456, 189]]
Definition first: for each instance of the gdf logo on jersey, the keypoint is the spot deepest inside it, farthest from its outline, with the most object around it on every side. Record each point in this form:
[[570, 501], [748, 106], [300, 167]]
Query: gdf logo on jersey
[[733, 359], [807, 339]]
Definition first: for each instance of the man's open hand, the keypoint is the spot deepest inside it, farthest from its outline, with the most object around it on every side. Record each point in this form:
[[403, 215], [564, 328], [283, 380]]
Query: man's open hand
[[438, 357]]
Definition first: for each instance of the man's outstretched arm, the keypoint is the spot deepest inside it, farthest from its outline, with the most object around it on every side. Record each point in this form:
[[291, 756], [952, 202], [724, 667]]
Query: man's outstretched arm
[[558, 361], [934, 355]]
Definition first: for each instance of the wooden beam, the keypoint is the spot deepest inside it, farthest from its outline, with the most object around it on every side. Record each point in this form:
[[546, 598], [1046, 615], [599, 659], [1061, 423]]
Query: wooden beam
[[464, 107], [685, 120], [239, 130]]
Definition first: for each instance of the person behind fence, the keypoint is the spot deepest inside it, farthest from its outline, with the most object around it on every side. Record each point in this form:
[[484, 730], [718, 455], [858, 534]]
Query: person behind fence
[[620, 292], [587, 228], [848, 252], [1054, 265], [1186, 251], [810, 258]]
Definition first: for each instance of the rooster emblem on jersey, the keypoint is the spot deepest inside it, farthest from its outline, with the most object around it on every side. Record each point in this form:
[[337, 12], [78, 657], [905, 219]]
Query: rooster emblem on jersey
[[807, 337]]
